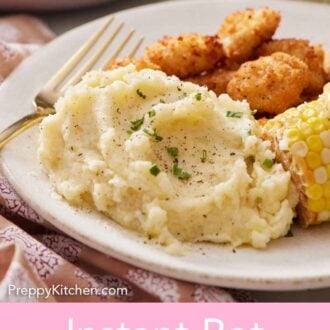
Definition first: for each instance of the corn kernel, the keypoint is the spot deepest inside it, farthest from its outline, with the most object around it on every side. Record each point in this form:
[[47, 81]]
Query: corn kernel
[[300, 149], [327, 204], [309, 112], [325, 155], [320, 175], [292, 118], [305, 129], [316, 105], [325, 137], [293, 135], [328, 170], [313, 160], [314, 143], [314, 192], [316, 124], [326, 189], [316, 205], [292, 122]]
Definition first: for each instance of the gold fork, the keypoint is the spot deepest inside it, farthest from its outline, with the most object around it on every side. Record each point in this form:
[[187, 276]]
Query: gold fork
[[65, 77]]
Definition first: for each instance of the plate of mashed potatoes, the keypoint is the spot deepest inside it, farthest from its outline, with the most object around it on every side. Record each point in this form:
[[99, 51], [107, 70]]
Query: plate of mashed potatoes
[[160, 171]]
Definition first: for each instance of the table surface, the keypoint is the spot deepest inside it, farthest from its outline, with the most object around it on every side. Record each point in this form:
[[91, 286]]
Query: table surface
[[61, 22]]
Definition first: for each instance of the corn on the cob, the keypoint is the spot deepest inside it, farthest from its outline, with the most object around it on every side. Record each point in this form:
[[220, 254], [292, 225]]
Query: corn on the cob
[[301, 139]]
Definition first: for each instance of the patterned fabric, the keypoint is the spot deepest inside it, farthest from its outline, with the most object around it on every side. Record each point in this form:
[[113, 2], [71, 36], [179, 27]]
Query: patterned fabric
[[36, 256]]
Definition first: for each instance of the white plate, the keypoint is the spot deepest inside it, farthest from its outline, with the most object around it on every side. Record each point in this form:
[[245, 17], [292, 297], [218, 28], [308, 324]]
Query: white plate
[[288, 264]]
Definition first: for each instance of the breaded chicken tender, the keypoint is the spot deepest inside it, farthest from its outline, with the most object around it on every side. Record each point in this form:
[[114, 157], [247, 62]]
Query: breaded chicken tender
[[120, 62], [312, 55], [244, 31], [216, 80], [186, 55], [270, 84], [327, 64]]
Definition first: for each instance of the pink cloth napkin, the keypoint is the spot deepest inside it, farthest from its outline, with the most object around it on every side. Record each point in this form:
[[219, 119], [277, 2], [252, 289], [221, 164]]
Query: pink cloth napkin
[[33, 254], [20, 36]]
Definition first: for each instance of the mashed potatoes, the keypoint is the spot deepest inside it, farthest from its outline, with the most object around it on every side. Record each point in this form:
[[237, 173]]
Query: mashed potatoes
[[166, 158]]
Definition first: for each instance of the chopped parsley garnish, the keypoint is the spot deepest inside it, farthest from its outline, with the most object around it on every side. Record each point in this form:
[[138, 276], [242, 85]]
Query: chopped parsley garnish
[[204, 156], [154, 170], [153, 133], [268, 163], [138, 92], [129, 132], [179, 172], [152, 113], [136, 124], [233, 114], [289, 233], [179, 89], [173, 151], [198, 96], [161, 101]]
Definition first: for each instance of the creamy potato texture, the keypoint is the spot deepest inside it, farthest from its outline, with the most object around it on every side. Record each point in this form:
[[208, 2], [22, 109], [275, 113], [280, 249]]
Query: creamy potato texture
[[166, 158]]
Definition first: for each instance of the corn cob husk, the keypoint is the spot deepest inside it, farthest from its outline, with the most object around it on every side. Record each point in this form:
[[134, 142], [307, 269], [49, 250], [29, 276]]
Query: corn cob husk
[[301, 140]]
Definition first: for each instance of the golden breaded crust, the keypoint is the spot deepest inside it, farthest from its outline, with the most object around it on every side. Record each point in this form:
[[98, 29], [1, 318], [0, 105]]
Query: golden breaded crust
[[186, 55], [327, 64], [216, 80], [243, 31], [312, 55], [120, 62], [270, 84]]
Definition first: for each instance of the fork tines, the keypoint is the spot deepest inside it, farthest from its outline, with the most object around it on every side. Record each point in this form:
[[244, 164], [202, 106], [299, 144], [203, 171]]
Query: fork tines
[[80, 63]]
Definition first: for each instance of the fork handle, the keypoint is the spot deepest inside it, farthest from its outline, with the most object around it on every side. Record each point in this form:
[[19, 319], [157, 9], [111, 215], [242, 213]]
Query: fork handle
[[19, 126]]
